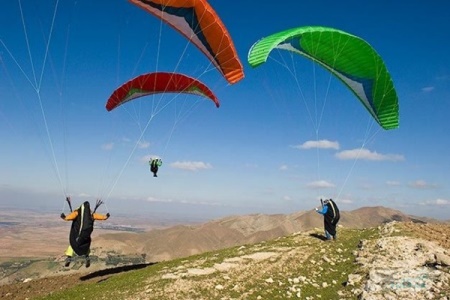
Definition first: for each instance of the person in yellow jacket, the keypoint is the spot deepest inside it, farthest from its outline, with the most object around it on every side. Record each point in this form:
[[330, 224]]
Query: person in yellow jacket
[[80, 232]]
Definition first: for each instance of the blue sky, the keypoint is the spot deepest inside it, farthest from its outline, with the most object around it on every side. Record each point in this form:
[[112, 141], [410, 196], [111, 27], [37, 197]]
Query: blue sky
[[257, 153]]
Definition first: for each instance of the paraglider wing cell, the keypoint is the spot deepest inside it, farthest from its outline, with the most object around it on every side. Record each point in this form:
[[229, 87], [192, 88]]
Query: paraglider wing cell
[[199, 23], [158, 82], [348, 57]]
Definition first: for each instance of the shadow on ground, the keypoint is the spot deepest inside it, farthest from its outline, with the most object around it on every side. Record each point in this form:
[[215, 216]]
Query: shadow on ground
[[116, 270], [318, 236]]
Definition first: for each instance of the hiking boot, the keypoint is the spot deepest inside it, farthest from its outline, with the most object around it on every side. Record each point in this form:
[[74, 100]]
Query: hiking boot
[[88, 261], [67, 261]]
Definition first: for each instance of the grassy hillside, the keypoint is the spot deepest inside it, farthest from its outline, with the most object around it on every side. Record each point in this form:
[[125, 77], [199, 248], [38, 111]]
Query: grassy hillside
[[300, 265]]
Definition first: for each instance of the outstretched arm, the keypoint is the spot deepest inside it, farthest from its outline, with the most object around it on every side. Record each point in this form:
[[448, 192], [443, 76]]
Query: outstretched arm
[[101, 217], [323, 211], [72, 216]]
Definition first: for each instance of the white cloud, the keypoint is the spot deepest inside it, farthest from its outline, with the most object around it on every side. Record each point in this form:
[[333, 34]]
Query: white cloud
[[422, 184], [108, 146], [321, 184], [143, 145], [189, 202], [428, 89], [152, 199], [322, 144], [283, 167], [346, 201], [84, 195], [191, 165], [442, 202], [201, 203], [365, 154], [393, 183], [287, 198], [438, 202]]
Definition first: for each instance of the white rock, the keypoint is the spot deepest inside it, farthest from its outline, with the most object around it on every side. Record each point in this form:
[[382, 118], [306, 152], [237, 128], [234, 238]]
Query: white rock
[[442, 259], [353, 279], [170, 276]]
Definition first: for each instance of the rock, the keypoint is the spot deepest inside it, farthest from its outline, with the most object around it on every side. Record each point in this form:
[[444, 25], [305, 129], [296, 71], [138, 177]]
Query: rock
[[442, 259], [269, 280], [170, 276], [353, 279]]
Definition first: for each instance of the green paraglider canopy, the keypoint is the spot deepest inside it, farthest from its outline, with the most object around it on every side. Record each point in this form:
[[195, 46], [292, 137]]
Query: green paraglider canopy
[[348, 57]]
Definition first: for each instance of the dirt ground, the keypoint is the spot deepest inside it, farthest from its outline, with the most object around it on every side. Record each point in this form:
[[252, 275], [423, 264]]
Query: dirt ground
[[39, 287], [439, 233], [45, 286]]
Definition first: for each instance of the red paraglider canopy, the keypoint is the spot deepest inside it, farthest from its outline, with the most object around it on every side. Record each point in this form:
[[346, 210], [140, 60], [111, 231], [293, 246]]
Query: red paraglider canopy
[[159, 82]]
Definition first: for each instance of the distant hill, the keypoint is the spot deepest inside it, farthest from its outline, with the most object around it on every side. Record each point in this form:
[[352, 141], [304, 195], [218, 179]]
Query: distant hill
[[181, 241]]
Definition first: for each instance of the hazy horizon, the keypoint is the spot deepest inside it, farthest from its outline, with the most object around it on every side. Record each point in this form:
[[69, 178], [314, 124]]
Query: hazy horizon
[[180, 211]]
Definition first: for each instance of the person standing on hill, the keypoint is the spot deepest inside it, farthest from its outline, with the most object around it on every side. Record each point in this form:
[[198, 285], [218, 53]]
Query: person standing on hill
[[331, 217], [80, 232]]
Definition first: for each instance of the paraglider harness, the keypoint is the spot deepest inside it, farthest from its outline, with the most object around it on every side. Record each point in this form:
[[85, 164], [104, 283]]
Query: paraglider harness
[[82, 227], [331, 217], [154, 165], [332, 213]]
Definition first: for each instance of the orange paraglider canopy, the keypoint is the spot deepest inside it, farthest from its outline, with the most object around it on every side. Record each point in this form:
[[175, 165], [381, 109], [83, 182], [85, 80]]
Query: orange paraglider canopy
[[199, 23]]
